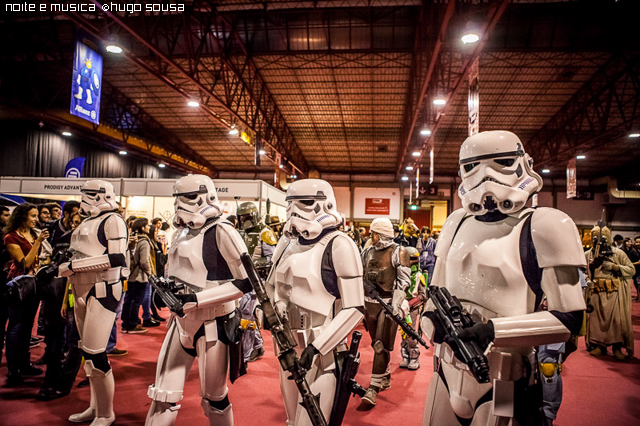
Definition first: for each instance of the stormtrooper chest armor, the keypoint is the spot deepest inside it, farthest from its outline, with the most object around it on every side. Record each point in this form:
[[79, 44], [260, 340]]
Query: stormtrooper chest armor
[[85, 240], [483, 267], [298, 281], [186, 261]]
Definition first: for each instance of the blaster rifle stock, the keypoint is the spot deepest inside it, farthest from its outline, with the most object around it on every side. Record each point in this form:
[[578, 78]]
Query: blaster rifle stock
[[453, 318], [373, 293], [286, 342]]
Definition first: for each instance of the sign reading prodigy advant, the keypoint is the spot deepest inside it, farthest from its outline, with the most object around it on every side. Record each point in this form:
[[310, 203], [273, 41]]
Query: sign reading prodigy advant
[[87, 80]]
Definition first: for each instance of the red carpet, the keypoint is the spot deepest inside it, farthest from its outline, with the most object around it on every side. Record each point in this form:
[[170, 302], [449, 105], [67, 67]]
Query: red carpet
[[596, 391]]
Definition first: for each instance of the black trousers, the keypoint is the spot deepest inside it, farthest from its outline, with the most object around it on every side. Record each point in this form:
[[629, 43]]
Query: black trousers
[[21, 316]]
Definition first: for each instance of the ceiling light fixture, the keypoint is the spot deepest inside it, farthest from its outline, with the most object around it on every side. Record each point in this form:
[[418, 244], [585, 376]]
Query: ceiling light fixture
[[416, 153], [122, 152], [409, 168], [425, 132], [634, 135], [546, 171], [193, 104], [162, 165], [581, 157], [233, 131], [439, 101], [113, 48], [470, 38], [262, 152], [405, 178], [67, 134]]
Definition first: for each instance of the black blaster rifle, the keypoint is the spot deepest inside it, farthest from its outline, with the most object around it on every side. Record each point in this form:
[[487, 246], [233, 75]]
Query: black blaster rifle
[[166, 290], [286, 341], [347, 364], [452, 318], [373, 293]]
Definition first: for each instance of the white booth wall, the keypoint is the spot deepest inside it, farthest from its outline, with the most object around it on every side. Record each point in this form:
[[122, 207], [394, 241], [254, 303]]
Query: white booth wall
[[150, 198]]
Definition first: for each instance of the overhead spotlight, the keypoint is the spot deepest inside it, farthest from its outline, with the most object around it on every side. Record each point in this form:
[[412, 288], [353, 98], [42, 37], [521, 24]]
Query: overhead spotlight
[[634, 135], [281, 166], [233, 130], [122, 152], [425, 131], [262, 152], [470, 38], [67, 134], [113, 48], [404, 178], [471, 33], [416, 153], [439, 101], [409, 168], [581, 157], [193, 104], [546, 171], [162, 165]]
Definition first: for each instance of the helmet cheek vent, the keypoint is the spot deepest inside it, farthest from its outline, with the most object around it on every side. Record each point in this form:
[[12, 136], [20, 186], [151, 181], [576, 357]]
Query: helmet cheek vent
[[519, 171]]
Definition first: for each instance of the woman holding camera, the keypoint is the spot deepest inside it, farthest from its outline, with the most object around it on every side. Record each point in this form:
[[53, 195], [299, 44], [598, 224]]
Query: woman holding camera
[[23, 242], [141, 267]]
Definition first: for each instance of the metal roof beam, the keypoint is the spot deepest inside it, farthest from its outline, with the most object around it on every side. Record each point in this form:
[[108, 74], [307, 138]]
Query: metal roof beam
[[450, 69], [229, 82], [605, 109]]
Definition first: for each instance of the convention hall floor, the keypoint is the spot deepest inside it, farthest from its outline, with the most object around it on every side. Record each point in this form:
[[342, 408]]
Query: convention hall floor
[[596, 391]]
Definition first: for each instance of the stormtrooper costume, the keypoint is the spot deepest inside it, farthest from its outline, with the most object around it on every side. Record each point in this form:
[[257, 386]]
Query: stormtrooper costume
[[205, 258], [316, 283], [387, 268], [501, 259], [95, 272]]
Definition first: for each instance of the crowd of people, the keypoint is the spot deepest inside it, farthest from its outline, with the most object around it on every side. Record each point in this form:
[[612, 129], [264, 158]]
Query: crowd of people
[[35, 241]]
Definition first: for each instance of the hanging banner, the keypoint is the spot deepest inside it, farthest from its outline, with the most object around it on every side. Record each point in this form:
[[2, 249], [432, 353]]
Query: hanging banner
[[572, 181], [87, 80], [258, 147], [431, 165], [474, 99], [74, 167], [418, 183]]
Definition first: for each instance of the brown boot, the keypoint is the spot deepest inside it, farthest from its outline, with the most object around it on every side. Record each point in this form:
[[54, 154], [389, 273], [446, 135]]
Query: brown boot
[[371, 395]]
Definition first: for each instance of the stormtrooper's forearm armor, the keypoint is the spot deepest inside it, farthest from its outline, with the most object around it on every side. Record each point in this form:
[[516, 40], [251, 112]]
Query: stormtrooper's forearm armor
[[348, 267]]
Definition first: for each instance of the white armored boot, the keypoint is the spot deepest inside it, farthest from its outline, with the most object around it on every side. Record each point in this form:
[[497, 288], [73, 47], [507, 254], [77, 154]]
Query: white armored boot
[[217, 417], [88, 414], [104, 386]]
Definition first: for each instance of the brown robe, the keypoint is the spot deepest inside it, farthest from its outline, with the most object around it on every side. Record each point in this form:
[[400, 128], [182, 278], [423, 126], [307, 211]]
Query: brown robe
[[609, 292]]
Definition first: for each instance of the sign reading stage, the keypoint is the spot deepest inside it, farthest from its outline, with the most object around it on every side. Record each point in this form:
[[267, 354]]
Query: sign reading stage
[[377, 206]]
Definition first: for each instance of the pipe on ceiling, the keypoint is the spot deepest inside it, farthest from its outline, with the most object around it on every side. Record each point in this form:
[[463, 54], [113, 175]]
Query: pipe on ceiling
[[612, 188]]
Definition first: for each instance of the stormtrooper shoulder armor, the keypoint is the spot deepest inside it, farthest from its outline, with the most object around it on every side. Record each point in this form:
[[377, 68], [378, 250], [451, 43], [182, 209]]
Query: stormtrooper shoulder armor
[[448, 232], [555, 238], [115, 230]]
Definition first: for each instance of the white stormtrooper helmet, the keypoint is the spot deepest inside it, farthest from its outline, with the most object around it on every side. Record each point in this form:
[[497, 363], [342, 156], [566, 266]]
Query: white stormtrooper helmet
[[196, 201], [496, 173], [311, 209], [97, 196]]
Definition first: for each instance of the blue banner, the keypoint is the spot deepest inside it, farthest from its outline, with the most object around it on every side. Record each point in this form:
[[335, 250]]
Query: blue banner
[[86, 84], [74, 167]]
